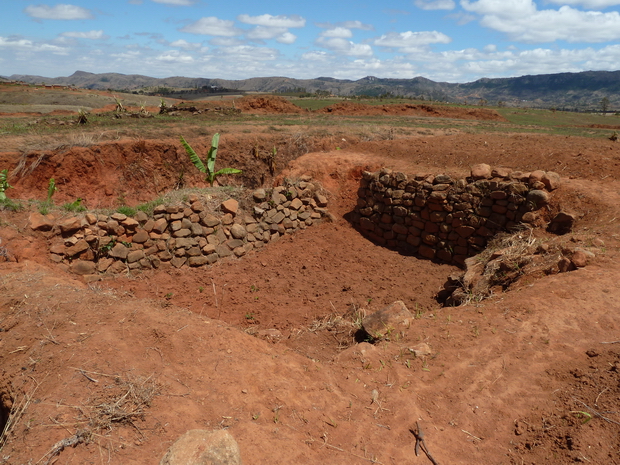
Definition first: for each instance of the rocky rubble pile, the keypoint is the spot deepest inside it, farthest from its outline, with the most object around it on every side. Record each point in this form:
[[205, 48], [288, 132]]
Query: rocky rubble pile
[[186, 234], [438, 217], [510, 257]]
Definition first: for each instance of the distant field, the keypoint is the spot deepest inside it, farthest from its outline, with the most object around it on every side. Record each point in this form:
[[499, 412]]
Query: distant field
[[26, 108], [549, 118], [81, 98], [19, 100]]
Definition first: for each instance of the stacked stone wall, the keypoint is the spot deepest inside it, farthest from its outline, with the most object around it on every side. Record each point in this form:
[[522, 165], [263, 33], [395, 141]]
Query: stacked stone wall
[[186, 234], [439, 217]]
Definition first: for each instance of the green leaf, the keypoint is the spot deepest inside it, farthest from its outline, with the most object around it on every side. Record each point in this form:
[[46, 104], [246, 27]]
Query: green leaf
[[51, 188], [212, 155], [4, 185], [192, 156], [228, 171]]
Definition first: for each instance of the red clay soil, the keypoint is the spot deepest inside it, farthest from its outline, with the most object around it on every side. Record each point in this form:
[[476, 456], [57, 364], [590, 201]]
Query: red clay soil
[[270, 104], [266, 104], [438, 111], [125, 366]]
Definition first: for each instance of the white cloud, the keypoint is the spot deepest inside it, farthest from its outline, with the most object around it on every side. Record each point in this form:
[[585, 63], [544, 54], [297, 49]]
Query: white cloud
[[175, 2], [279, 21], [410, 42], [249, 53], [522, 21], [225, 41], [344, 47], [504, 8], [212, 26], [461, 17], [272, 27], [594, 4], [356, 25], [471, 64], [60, 11], [174, 56], [129, 57], [341, 32], [185, 45], [25, 45], [347, 25], [286, 38], [280, 34], [264, 33], [94, 35], [435, 4], [316, 56]]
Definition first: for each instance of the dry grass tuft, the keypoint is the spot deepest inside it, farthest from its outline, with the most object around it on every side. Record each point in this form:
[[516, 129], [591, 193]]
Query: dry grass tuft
[[121, 403], [126, 401], [81, 139], [330, 322], [16, 412], [501, 264]]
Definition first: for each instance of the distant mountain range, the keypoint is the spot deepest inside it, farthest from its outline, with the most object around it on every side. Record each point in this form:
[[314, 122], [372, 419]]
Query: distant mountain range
[[580, 91]]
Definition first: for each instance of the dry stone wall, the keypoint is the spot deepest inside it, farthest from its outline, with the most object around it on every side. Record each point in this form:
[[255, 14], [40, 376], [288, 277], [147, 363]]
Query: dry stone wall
[[447, 219], [186, 234]]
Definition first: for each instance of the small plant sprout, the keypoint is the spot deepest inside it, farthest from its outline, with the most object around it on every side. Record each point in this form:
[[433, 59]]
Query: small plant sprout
[[585, 416], [209, 168], [4, 184], [51, 189]]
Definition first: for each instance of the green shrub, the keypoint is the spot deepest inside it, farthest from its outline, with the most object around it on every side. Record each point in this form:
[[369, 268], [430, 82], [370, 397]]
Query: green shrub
[[74, 206], [125, 210]]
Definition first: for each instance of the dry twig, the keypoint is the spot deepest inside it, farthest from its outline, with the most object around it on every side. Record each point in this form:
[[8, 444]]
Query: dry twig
[[420, 444]]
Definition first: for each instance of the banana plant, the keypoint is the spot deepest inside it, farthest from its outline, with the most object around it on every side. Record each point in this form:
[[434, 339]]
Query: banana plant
[[4, 184], [209, 166]]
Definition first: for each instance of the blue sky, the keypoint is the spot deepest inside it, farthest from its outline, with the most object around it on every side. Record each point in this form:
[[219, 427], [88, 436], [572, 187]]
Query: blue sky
[[442, 40]]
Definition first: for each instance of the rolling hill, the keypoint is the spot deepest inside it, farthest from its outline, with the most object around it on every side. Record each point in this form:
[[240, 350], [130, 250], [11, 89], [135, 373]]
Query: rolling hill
[[573, 91]]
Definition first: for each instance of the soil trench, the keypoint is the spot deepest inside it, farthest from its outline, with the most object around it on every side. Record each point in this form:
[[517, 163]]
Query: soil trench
[[266, 347]]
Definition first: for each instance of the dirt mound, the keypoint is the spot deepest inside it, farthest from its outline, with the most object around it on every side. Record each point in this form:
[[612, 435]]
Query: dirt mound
[[266, 104], [357, 109]]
